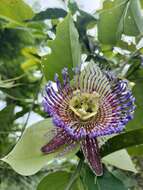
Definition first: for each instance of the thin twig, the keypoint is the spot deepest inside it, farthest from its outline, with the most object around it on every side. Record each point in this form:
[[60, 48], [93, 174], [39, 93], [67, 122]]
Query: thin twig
[[18, 99], [75, 175], [31, 108], [10, 131]]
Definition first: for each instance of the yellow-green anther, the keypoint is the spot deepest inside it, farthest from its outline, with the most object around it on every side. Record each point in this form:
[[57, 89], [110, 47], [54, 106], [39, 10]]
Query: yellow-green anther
[[84, 105]]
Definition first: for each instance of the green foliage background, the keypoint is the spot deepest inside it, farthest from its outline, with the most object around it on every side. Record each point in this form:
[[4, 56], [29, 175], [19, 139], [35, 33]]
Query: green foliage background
[[33, 46]]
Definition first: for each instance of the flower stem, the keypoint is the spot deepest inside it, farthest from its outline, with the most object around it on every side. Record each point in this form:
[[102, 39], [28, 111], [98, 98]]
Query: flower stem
[[75, 175]]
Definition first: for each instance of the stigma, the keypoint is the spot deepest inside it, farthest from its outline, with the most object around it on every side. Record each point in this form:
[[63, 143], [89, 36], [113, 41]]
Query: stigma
[[84, 105]]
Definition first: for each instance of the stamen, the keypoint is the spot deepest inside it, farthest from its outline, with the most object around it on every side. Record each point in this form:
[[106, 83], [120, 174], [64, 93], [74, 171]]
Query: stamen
[[57, 81], [65, 76], [84, 105]]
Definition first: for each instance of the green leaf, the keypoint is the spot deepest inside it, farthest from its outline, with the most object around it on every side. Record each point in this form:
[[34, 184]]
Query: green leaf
[[110, 25], [6, 124], [15, 10], [84, 21], [141, 1], [136, 150], [117, 18], [73, 7], [88, 178], [137, 122], [6, 116], [50, 13], [65, 49], [26, 158], [120, 159], [135, 74], [107, 181], [128, 180], [134, 20], [124, 140], [56, 181]]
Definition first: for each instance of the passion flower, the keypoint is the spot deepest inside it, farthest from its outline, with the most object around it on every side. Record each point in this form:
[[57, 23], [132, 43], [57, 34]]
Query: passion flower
[[94, 104]]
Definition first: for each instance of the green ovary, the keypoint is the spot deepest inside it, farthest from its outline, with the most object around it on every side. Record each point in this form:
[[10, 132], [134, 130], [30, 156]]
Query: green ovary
[[84, 105]]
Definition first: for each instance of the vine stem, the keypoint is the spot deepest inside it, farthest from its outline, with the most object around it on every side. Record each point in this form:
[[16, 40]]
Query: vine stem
[[74, 175], [31, 108]]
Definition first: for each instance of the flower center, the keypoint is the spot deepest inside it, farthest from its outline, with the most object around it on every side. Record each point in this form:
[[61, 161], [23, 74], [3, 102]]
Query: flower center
[[84, 105]]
